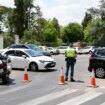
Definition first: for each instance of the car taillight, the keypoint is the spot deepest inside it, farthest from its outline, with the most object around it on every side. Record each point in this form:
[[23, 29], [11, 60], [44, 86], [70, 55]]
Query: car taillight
[[1, 65], [91, 58]]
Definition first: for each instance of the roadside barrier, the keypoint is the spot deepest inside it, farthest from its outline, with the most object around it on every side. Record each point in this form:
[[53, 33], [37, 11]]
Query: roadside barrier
[[61, 78], [25, 79], [93, 80]]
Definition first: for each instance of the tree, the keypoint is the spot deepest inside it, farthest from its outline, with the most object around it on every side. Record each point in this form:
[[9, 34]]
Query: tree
[[98, 29], [50, 34], [23, 16], [72, 33], [56, 26], [3, 16], [87, 19]]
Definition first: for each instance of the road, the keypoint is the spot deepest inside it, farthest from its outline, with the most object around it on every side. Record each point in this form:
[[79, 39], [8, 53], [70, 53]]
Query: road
[[45, 90]]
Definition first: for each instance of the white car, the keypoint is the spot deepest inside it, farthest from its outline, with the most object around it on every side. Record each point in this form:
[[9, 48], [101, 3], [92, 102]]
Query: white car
[[53, 51], [78, 50], [88, 49], [27, 57], [62, 49]]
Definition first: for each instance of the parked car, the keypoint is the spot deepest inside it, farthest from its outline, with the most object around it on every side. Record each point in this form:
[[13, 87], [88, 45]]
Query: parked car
[[62, 49], [44, 48], [88, 49], [78, 50], [53, 51], [97, 61], [30, 46], [34, 60]]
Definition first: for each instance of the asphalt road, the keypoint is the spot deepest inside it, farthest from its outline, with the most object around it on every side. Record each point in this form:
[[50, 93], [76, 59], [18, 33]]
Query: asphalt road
[[45, 90]]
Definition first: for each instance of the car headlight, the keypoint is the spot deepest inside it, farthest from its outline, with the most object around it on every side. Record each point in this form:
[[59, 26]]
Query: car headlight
[[43, 61]]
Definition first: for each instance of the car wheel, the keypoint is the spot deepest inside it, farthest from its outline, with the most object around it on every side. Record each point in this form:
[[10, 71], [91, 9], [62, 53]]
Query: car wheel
[[33, 66], [100, 72]]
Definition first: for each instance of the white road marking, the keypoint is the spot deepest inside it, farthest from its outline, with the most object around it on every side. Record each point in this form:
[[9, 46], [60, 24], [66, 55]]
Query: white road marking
[[81, 99], [49, 97], [12, 90], [103, 103]]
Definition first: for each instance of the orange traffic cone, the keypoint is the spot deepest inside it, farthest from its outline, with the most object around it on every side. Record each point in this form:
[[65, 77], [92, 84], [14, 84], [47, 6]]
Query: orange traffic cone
[[61, 79], [93, 80], [25, 75]]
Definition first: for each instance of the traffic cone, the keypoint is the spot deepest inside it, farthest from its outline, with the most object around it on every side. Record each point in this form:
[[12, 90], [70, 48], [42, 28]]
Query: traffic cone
[[93, 80], [25, 75], [61, 78]]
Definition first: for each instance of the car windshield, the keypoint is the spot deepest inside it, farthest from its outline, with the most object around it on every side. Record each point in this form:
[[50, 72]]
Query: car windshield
[[33, 53], [34, 47]]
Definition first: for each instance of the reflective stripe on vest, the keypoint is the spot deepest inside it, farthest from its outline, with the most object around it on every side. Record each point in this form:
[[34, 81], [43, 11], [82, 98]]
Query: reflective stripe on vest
[[70, 52]]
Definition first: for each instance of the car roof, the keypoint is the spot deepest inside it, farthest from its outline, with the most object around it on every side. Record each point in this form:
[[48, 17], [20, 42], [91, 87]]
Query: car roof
[[18, 49], [22, 44], [100, 48]]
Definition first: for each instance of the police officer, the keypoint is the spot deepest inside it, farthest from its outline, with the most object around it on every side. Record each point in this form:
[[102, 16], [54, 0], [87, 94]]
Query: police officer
[[70, 59]]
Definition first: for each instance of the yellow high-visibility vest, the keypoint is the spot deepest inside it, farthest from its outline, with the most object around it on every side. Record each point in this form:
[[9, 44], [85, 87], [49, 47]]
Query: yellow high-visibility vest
[[70, 52]]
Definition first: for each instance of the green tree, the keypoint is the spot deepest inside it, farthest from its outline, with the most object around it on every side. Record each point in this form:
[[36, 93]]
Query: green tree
[[98, 29], [23, 16], [50, 34], [56, 26], [72, 33], [87, 19], [3, 16]]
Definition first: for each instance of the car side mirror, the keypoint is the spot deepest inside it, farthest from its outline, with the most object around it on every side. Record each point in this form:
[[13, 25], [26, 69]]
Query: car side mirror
[[24, 56]]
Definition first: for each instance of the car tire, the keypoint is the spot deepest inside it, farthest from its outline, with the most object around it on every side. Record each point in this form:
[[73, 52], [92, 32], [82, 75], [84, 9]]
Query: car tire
[[33, 66], [100, 72]]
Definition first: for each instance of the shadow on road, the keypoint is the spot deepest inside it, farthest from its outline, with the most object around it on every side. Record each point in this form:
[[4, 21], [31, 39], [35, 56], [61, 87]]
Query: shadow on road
[[46, 70], [79, 81], [10, 82]]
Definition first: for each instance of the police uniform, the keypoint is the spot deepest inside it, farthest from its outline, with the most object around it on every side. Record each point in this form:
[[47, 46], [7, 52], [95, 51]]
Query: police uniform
[[70, 62]]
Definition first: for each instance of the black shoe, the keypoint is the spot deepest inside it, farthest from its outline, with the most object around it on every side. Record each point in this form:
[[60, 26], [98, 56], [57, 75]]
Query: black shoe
[[66, 79], [72, 80]]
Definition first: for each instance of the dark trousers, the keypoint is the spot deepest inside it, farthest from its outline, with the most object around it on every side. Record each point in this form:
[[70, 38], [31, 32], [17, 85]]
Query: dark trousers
[[70, 64]]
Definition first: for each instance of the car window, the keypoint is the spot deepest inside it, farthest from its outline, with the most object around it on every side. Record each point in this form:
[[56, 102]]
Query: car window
[[101, 52], [33, 53], [23, 46], [10, 53], [19, 53]]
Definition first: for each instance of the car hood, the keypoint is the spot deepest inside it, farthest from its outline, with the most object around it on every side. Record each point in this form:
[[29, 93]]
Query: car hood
[[44, 58]]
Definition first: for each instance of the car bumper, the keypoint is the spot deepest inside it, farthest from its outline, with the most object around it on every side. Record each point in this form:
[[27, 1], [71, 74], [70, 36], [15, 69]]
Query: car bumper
[[50, 65]]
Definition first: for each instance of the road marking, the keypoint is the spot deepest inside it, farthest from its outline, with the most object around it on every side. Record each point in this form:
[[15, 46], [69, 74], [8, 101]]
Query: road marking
[[103, 103], [49, 97], [81, 99], [12, 90]]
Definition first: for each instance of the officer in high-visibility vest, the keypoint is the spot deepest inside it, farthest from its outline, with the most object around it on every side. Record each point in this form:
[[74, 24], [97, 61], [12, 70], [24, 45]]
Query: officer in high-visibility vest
[[70, 59]]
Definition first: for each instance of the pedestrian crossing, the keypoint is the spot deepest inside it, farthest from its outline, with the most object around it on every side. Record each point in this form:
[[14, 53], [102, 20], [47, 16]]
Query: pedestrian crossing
[[50, 99]]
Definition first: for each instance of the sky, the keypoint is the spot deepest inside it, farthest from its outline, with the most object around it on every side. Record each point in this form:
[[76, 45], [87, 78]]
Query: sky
[[65, 11]]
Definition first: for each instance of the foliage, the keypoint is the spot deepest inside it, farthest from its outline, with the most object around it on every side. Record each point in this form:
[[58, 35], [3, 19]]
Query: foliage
[[4, 11], [56, 26], [72, 33], [87, 20], [50, 33], [98, 29], [29, 38], [8, 40]]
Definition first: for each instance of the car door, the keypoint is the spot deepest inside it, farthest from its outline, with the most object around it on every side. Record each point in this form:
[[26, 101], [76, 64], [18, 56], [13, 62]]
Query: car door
[[11, 55], [21, 62]]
